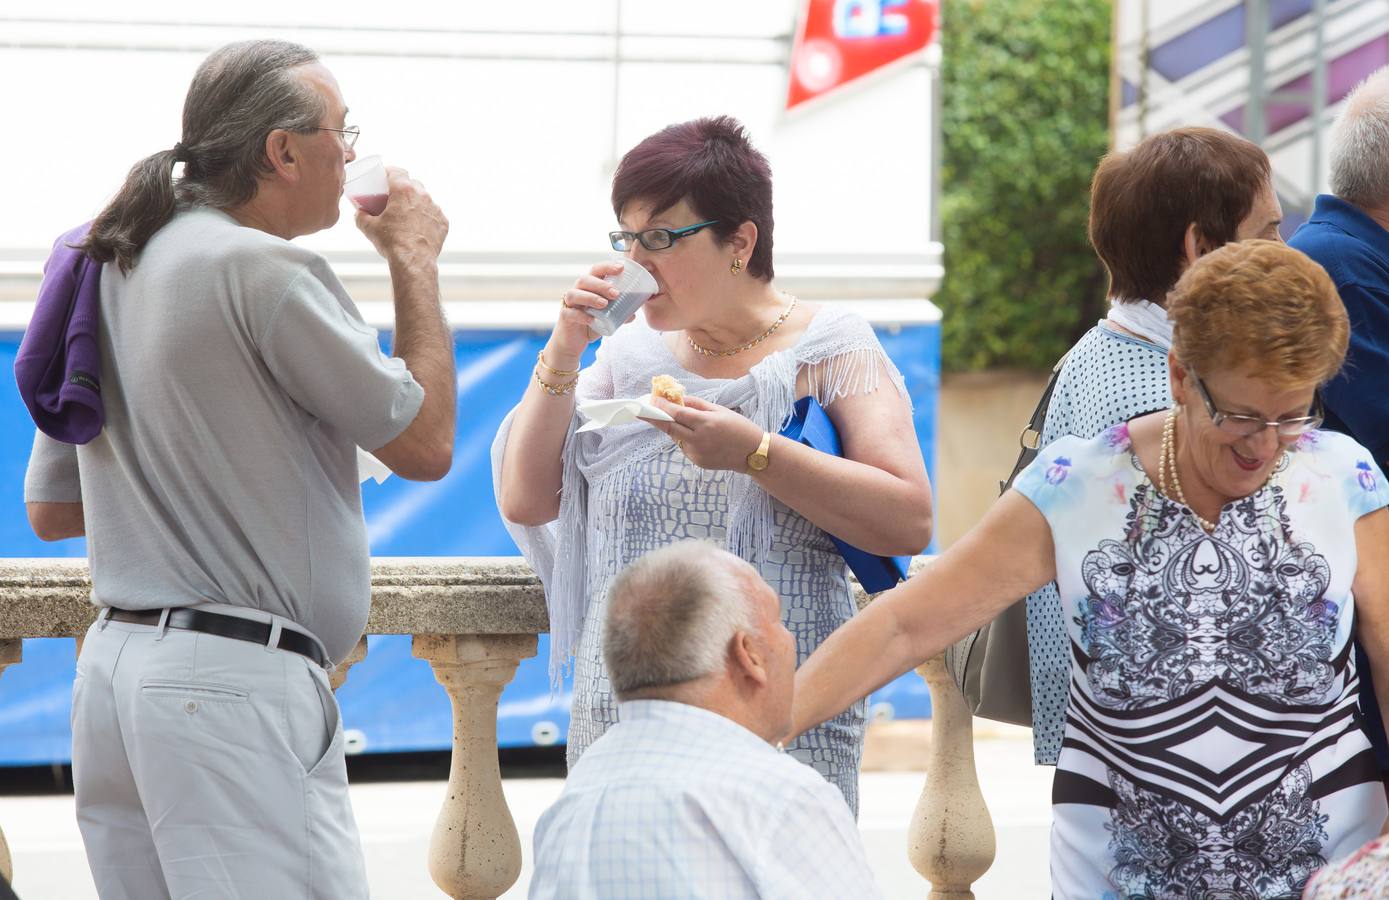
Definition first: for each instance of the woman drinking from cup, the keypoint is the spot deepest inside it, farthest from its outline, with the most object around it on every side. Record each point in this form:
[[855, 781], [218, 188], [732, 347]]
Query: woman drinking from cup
[[1212, 561], [694, 208]]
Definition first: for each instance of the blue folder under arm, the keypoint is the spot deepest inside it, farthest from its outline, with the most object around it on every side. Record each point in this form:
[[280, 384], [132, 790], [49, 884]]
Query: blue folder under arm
[[811, 426]]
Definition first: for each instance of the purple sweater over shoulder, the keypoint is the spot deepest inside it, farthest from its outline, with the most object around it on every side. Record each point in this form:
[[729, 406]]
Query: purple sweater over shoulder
[[58, 367]]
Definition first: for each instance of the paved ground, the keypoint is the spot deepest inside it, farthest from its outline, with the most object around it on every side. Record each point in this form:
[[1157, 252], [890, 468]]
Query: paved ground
[[396, 817]]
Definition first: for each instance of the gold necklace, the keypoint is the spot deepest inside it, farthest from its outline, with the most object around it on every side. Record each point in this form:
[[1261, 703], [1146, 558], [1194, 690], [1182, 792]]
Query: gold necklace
[[1167, 462], [705, 351]]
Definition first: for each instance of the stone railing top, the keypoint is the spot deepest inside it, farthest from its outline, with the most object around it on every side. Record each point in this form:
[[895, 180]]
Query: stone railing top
[[419, 595], [427, 595]]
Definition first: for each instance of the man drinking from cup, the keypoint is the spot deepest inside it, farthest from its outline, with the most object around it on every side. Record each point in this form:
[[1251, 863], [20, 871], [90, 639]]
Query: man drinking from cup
[[221, 502]]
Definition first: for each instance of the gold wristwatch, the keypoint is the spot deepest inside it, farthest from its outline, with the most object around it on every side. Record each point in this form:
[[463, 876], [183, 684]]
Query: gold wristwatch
[[757, 459]]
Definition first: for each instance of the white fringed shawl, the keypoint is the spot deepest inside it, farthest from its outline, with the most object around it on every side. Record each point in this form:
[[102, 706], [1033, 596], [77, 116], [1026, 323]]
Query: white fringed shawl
[[841, 357]]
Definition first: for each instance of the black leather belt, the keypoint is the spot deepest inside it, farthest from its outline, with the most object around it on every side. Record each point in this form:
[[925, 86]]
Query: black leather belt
[[223, 626]]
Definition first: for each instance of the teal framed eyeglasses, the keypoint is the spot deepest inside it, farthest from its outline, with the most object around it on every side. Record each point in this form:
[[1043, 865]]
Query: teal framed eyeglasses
[[655, 238]]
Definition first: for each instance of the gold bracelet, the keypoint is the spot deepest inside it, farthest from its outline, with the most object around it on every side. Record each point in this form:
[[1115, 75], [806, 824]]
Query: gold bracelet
[[540, 358], [556, 390]]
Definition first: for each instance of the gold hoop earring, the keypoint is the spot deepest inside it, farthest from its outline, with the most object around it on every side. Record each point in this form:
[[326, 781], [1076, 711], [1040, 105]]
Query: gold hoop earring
[[737, 266]]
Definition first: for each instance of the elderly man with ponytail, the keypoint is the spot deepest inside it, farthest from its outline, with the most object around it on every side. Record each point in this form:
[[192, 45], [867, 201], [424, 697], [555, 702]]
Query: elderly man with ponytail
[[228, 550]]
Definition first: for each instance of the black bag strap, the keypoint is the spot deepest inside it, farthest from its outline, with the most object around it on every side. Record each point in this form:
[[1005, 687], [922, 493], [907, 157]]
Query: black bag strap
[[1031, 438]]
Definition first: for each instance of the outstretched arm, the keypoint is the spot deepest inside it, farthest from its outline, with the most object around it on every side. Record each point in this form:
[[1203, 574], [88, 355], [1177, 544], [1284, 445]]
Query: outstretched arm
[[1008, 555]]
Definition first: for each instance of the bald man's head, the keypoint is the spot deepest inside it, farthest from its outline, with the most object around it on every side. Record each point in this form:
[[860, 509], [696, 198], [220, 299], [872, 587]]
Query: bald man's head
[[672, 613]]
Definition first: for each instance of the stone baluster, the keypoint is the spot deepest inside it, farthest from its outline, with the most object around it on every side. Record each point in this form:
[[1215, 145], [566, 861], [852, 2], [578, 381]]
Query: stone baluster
[[474, 620], [475, 851], [358, 653], [11, 652], [951, 839]]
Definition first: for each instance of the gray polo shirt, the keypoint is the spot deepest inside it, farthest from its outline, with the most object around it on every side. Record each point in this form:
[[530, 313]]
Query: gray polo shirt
[[238, 378]]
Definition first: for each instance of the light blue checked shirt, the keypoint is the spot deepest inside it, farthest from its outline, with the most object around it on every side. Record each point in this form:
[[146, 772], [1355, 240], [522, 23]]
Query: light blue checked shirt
[[675, 801]]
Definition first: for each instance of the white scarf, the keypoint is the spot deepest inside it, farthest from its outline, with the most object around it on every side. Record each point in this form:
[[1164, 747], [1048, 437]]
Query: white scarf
[[1147, 320], [841, 357]]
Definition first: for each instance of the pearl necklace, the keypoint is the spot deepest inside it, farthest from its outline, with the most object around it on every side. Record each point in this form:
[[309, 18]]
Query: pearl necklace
[[705, 351], [1167, 463]]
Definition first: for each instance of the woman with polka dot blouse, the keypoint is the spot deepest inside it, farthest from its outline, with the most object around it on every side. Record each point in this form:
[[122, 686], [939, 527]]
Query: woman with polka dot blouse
[[1154, 210]]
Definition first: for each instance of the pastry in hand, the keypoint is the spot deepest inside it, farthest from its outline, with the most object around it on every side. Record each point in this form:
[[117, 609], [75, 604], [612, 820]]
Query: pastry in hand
[[667, 388]]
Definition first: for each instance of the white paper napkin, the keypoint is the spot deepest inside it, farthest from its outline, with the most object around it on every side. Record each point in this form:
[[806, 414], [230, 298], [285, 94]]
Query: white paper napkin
[[369, 466], [602, 413]]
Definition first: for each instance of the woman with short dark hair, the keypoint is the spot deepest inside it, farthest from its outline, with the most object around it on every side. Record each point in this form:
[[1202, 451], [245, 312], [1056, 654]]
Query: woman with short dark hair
[[694, 205], [1154, 210]]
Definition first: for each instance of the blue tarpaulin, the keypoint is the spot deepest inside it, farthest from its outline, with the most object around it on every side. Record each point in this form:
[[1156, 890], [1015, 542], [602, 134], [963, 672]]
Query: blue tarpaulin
[[391, 701]]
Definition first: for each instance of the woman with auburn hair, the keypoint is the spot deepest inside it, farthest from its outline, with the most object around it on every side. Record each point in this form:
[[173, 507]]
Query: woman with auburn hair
[[694, 205], [1155, 208], [1212, 561]]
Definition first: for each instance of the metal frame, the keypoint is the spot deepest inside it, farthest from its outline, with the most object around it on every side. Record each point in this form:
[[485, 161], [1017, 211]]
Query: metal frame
[[1256, 25]]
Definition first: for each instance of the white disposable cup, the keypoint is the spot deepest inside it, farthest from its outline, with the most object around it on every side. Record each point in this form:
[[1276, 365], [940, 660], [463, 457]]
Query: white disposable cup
[[365, 185], [635, 286]]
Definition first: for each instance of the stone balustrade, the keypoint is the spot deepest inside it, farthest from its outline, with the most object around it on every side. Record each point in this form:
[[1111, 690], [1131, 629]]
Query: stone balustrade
[[474, 620]]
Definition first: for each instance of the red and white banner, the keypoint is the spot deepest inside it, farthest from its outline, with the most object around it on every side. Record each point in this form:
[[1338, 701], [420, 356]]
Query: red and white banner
[[839, 41]]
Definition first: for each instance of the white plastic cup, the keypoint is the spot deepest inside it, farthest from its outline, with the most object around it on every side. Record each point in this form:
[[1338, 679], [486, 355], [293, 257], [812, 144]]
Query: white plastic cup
[[365, 185], [635, 286]]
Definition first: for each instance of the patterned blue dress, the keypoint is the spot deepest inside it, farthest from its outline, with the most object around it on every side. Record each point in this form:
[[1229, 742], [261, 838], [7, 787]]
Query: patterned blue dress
[[1213, 744]]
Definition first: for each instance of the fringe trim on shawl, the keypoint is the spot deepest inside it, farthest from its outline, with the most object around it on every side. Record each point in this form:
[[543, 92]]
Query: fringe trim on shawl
[[847, 373], [847, 363], [565, 589], [546, 546]]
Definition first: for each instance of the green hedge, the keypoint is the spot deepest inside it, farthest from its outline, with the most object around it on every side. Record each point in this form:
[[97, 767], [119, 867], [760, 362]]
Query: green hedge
[[1025, 120]]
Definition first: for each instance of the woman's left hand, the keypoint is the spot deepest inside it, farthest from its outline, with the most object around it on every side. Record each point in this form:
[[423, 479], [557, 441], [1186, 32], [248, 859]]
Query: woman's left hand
[[711, 436]]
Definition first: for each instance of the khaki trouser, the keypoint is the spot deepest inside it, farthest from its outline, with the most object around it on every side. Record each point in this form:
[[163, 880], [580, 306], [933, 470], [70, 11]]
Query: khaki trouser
[[209, 767]]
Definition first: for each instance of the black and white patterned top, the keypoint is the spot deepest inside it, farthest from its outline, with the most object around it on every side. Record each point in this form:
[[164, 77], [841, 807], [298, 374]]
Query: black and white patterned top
[[1213, 744], [1109, 377]]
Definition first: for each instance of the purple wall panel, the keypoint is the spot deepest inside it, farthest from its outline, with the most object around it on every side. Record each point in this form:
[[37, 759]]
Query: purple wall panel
[[1220, 35], [1342, 74]]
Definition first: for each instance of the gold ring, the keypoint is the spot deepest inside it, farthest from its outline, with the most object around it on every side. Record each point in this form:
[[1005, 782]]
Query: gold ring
[[681, 445]]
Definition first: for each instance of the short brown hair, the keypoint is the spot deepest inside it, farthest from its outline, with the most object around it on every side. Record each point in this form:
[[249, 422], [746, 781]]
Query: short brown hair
[[711, 163], [1143, 199], [1262, 308]]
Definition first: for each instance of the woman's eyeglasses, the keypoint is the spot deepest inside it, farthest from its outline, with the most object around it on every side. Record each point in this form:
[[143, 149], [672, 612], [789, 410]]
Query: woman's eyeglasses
[[1246, 426], [655, 238]]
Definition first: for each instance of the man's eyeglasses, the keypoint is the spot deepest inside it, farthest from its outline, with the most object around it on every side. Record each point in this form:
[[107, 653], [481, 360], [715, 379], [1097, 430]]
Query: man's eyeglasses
[[655, 238], [347, 135], [1245, 426]]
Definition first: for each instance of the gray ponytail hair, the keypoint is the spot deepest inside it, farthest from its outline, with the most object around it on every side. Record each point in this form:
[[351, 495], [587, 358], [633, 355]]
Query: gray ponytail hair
[[239, 94]]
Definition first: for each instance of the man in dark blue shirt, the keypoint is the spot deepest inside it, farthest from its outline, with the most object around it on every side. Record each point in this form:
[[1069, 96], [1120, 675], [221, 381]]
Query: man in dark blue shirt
[[1348, 233], [1353, 246]]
